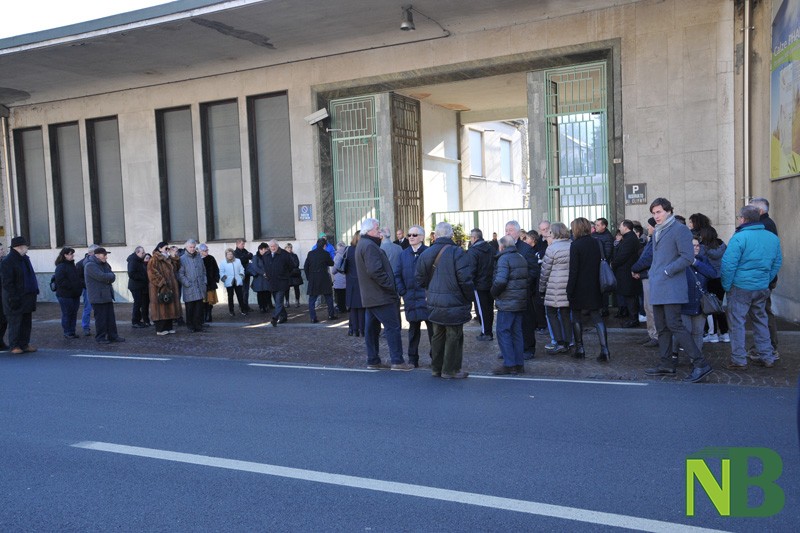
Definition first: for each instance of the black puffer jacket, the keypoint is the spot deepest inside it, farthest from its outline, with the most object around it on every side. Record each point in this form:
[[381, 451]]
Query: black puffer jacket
[[137, 273], [68, 284], [510, 285], [449, 286], [481, 256]]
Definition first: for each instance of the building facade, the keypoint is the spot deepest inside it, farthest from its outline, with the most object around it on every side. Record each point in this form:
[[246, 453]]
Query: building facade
[[199, 119]]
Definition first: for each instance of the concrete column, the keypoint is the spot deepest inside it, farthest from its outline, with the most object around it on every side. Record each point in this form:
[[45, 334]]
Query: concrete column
[[537, 146], [383, 121]]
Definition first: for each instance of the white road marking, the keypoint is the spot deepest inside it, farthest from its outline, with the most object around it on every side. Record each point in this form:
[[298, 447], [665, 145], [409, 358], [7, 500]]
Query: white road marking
[[421, 491], [301, 367], [588, 381], [91, 356]]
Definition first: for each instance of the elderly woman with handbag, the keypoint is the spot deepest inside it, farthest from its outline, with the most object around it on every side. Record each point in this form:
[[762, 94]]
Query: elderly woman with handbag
[[165, 303]]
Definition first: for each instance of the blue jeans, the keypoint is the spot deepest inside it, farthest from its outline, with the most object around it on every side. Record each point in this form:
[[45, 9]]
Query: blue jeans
[[279, 312], [69, 314], [509, 337], [742, 303], [86, 318], [389, 316], [312, 302]]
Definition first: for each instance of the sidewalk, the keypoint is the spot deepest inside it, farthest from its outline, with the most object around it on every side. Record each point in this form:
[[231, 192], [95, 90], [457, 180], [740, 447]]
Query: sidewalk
[[327, 343]]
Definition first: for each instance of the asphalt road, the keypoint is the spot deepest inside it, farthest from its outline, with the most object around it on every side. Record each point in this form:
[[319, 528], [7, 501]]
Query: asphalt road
[[200, 444]]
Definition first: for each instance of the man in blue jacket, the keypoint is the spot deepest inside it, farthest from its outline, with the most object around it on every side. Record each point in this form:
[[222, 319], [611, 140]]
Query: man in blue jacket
[[751, 261], [672, 253]]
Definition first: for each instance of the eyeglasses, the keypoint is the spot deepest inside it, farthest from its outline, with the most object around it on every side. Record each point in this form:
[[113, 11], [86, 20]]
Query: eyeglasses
[[413, 235]]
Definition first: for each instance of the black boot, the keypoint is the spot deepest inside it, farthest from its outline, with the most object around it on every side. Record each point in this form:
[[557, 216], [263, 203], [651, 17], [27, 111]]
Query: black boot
[[208, 313], [577, 332], [602, 335]]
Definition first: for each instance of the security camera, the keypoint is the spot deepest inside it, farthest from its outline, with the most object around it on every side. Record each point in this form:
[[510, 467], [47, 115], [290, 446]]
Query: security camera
[[316, 116]]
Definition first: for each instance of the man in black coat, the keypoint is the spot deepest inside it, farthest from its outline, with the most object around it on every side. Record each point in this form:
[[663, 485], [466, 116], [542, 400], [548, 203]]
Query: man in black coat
[[19, 295], [379, 297], [3, 321], [137, 284], [317, 265], [624, 258], [277, 271], [529, 317], [402, 240], [481, 257], [99, 280], [444, 271], [241, 253]]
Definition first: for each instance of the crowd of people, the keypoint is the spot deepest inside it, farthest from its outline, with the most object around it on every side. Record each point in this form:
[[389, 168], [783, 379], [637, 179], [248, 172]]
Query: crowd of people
[[547, 282]]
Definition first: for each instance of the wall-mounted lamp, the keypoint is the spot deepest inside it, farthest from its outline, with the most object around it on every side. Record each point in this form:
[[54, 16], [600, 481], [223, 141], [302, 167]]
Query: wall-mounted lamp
[[407, 23], [408, 19]]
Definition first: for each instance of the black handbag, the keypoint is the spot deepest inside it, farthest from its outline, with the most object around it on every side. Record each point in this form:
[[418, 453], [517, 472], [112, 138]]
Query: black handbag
[[709, 303], [608, 281], [166, 296]]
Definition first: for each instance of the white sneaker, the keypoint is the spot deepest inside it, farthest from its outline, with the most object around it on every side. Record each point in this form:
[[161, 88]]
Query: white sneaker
[[642, 319], [711, 337], [725, 337], [162, 332], [172, 331]]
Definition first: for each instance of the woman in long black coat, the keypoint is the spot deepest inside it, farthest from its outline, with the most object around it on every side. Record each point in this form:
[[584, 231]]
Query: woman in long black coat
[[625, 256], [583, 286], [353, 290]]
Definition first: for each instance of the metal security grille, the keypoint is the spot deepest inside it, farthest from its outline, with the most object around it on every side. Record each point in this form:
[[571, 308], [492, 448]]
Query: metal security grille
[[577, 146], [355, 172], [406, 162]]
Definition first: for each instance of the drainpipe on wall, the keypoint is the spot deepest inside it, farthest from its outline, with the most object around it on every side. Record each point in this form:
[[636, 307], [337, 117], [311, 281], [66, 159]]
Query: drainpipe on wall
[[6, 151], [746, 104]]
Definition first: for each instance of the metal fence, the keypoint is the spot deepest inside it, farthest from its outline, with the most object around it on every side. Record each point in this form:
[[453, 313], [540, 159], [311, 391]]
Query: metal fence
[[489, 221]]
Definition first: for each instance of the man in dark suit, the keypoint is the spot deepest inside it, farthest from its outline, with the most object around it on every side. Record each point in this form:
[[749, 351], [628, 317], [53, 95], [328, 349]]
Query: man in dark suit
[[19, 295], [624, 258], [402, 240]]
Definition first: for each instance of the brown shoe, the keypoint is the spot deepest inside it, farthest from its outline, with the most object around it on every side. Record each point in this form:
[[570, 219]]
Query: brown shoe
[[520, 369], [17, 351], [503, 370], [736, 367], [29, 348], [457, 375], [761, 362], [378, 366], [403, 367]]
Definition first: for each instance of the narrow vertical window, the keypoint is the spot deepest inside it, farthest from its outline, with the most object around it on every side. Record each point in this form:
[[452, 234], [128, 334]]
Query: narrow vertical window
[[506, 161], [222, 170], [176, 174], [271, 166], [70, 207], [31, 187], [105, 178], [476, 153]]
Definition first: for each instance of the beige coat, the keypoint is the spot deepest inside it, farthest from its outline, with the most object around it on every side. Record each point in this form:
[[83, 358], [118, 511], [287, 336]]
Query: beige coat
[[555, 274]]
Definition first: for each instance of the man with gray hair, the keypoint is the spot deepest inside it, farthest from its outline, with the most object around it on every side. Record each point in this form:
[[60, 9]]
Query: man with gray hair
[[751, 261], [529, 316], [391, 249], [379, 297], [192, 277], [138, 287], [444, 271], [762, 204]]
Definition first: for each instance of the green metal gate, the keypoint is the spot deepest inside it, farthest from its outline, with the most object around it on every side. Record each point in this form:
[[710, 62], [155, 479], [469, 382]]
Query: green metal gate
[[577, 145], [355, 171]]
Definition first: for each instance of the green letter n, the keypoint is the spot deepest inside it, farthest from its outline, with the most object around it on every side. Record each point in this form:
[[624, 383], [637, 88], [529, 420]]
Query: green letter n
[[719, 494]]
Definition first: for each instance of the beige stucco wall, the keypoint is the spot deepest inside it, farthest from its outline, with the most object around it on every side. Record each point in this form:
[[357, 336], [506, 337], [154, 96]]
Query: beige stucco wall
[[676, 92]]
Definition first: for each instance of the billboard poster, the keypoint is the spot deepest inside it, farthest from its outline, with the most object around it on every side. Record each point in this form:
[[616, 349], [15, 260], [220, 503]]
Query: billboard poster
[[785, 90]]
